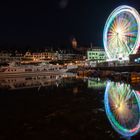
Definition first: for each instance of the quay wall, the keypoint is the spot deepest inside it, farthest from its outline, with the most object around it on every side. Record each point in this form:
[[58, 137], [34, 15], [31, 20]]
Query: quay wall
[[131, 68]]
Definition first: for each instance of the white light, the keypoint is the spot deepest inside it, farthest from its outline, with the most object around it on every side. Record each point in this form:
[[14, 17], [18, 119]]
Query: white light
[[119, 31]]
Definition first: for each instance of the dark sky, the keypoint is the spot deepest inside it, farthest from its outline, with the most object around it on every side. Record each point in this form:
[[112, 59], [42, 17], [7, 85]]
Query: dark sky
[[55, 21]]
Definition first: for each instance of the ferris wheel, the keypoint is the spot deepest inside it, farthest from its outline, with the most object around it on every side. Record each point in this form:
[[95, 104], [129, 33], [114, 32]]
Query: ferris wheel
[[121, 35]]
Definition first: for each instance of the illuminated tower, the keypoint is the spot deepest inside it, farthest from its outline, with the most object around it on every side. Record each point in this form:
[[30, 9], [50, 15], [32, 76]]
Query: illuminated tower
[[74, 43]]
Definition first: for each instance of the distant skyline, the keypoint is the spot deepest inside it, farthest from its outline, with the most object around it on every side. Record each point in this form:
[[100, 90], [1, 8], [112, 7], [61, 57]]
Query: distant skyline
[[56, 22]]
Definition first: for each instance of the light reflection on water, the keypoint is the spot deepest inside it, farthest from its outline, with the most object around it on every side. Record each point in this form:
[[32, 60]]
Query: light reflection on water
[[122, 105], [12, 83], [121, 101]]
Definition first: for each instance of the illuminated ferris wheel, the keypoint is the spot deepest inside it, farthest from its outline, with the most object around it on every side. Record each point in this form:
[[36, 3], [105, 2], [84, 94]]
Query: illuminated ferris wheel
[[121, 35]]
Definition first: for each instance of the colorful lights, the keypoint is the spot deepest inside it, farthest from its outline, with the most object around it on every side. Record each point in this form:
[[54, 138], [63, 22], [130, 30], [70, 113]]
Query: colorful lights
[[121, 33], [122, 105]]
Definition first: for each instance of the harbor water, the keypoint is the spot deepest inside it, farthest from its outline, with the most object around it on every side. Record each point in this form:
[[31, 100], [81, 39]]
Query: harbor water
[[68, 107]]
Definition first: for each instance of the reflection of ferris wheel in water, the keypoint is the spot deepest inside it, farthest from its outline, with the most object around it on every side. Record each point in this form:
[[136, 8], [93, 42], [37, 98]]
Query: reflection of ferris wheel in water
[[122, 105], [121, 33]]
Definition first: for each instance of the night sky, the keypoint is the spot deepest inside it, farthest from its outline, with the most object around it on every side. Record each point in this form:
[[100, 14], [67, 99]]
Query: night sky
[[55, 22]]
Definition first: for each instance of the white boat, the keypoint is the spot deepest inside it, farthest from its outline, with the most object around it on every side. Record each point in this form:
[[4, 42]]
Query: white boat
[[43, 68]]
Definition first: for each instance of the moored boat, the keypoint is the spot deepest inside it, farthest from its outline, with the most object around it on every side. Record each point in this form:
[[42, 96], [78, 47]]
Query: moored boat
[[43, 68]]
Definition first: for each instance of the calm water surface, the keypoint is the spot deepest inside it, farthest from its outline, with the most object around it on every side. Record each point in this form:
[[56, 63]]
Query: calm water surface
[[56, 107]]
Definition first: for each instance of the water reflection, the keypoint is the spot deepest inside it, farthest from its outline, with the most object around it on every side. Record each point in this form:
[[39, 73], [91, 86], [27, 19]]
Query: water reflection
[[96, 83], [37, 81], [29, 81], [122, 105]]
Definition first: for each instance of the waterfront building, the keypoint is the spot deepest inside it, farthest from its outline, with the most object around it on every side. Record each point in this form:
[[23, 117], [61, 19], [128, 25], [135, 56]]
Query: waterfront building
[[4, 57], [45, 56], [96, 55], [134, 58], [7, 57], [69, 56], [34, 57], [40, 56]]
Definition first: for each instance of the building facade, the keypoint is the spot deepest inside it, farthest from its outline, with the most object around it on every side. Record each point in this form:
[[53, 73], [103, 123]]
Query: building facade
[[40, 56], [134, 58], [96, 54], [69, 56]]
